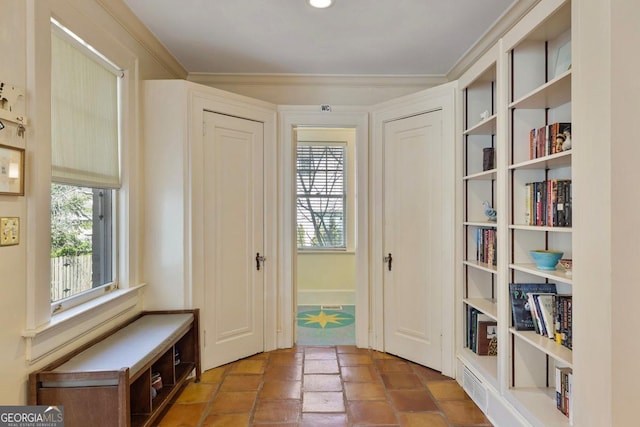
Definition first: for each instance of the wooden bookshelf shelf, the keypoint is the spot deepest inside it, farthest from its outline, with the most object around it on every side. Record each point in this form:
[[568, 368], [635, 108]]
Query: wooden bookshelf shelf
[[546, 345], [484, 175], [540, 228], [481, 224], [552, 94], [485, 127], [553, 161], [538, 406], [487, 306], [481, 266], [557, 275]]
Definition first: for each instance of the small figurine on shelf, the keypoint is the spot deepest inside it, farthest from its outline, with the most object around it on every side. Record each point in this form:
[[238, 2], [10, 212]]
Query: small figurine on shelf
[[559, 142], [489, 211], [566, 145]]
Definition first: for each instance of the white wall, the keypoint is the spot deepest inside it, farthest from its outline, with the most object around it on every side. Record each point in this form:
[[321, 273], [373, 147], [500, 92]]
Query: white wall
[[326, 278], [13, 258]]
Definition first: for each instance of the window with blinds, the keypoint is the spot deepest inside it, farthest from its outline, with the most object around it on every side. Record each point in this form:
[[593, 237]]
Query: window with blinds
[[321, 196], [85, 169]]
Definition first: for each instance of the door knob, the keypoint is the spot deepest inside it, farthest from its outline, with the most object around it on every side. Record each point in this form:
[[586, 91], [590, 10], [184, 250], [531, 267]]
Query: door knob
[[259, 259], [388, 259]]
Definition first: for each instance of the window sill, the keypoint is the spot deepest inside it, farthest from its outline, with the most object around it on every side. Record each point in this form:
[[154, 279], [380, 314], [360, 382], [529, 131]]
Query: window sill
[[70, 325]]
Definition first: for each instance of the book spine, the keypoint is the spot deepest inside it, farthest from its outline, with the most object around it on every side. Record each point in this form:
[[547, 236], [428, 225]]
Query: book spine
[[548, 141], [568, 204], [558, 388], [527, 204], [532, 140], [569, 323], [558, 319], [560, 204], [534, 313], [568, 394]]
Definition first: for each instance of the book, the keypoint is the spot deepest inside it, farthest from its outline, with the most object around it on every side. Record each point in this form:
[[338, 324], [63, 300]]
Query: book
[[488, 158], [520, 309], [487, 333], [542, 312], [563, 389], [564, 324], [564, 377], [560, 132], [548, 203], [535, 316], [481, 336], [549, 139], [486, 245], [545, 303]]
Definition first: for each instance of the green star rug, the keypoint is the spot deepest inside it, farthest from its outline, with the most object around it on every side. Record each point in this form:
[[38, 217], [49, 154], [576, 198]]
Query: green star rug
[[318, 325]]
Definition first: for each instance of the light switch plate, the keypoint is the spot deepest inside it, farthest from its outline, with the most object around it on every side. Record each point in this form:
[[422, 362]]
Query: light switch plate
[[9, 231]]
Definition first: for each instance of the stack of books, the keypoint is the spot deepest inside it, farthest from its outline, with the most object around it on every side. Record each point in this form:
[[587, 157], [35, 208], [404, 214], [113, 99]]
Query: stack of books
[[482, 333], [537, 307], [548, 203], [549, 140], [486, 246]]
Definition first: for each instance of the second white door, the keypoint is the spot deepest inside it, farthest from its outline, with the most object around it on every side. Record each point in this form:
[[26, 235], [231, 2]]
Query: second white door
[[412, 215], [233, 240]]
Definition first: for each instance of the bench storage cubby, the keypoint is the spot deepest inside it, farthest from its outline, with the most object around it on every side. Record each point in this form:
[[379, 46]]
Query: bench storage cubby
[[125, 377]]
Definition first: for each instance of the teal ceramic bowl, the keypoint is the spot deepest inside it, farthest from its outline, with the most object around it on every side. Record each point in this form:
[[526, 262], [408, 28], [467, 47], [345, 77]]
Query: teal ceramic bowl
[[546, 259]]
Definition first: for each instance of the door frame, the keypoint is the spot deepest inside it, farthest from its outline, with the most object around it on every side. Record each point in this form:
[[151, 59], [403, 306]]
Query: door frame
[[201, 99], [339, 116], [438, 98]]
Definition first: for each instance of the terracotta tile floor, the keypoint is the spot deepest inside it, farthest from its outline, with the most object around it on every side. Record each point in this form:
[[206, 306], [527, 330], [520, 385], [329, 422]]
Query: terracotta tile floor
[[323, 386]]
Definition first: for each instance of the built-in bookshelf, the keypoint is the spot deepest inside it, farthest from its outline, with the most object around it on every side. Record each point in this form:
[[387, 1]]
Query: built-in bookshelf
[[479, 304], [516, 100], [538, 113]]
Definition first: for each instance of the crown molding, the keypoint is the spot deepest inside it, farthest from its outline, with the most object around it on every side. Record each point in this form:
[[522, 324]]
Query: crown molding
[[141, 34], [503, 24], [316, 80]]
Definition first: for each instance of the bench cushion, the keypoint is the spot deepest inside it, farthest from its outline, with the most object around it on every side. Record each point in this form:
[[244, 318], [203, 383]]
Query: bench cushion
[[133, 347]]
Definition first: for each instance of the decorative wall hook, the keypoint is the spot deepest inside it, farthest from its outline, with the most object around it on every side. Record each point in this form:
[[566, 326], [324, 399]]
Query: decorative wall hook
[[12, 104]]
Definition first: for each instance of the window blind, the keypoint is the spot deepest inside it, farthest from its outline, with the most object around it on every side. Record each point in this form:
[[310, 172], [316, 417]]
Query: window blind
[[321, 196], [84, 118]]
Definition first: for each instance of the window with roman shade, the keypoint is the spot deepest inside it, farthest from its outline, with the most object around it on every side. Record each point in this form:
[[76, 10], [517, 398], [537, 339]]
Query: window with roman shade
[[84, 108], [85, 170]]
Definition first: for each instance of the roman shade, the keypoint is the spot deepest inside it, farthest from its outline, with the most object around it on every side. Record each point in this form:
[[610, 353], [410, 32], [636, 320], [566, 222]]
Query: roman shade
[[84, 116]]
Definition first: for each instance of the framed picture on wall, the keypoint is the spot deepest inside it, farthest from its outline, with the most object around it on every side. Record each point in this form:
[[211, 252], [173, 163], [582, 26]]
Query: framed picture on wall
[[11, 170]]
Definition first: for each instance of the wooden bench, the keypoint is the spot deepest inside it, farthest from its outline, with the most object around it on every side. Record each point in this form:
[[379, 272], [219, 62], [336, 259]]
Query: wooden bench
[[108, 381]]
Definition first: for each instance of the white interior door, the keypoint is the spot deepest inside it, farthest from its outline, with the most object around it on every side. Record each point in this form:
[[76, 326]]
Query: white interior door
[[233, 237], [412, 216]]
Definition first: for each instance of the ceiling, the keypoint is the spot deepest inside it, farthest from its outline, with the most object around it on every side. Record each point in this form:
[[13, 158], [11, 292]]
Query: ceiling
[[352, 37]]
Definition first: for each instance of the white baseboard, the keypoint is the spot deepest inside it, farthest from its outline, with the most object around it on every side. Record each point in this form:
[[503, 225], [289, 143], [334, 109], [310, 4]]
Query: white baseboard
[[331, 297]]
